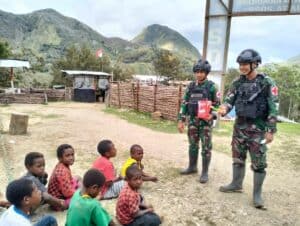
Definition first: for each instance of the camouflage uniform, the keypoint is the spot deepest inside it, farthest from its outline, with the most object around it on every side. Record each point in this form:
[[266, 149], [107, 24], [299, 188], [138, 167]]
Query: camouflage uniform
[[248, 133], [256, 115], [199, 128]]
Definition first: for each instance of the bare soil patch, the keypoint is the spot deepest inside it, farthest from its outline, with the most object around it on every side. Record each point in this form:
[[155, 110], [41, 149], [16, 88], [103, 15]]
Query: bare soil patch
[[182, 200]]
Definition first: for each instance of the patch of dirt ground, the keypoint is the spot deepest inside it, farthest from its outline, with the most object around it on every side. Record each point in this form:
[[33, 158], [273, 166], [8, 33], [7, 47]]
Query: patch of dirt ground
[[181, 200]]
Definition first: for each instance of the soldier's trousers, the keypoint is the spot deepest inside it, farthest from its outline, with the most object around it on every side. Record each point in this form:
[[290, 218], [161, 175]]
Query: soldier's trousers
[[247, 137], [200, 130]]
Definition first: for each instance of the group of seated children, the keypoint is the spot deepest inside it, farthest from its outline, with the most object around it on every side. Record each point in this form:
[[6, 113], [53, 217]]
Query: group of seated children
[[81, 197]]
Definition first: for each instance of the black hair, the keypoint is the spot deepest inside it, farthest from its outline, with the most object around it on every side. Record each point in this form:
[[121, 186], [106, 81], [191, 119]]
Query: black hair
[[134, 147], [132, 171], [104, 146], [30, 157], [93, 177], [61, 149], [17, 190]]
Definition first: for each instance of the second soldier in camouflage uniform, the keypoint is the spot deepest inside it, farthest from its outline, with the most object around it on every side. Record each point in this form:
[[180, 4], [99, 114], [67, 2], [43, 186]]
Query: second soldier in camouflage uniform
[[255, 97], [201, 89]]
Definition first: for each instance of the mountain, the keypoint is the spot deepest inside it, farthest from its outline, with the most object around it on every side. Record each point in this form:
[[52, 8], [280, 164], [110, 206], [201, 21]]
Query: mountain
[[165, 38], [44, 35], [294, 60]]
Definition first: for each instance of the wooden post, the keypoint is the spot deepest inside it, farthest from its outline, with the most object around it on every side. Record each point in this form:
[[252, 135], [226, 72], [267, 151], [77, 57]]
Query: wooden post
[[133, 95], [154, 101], [18, 124], [137, 95], [179, 98], [119, 98]]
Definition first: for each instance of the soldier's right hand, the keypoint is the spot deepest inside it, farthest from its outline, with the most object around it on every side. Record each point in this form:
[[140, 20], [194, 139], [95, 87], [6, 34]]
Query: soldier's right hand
[[222, 110], [180, 126]]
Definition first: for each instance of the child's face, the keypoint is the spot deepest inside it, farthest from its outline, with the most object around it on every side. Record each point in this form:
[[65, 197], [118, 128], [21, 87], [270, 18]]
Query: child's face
[[38, 167], [68, 157], [112, 151], [94, 191], [136, 181], [138, 154], [35, 199]]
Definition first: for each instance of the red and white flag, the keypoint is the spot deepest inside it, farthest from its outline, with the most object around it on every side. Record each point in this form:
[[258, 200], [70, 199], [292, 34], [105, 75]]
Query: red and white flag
[[99, 53]]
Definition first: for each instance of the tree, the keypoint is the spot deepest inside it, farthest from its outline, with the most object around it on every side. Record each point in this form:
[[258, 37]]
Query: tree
[[4, 50], [167, 64], [287, 78], [79, 59], [231, 75], [122, 72]]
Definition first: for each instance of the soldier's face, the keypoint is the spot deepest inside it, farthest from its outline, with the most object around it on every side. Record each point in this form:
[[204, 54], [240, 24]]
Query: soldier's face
[[245, 68], [200, 76]]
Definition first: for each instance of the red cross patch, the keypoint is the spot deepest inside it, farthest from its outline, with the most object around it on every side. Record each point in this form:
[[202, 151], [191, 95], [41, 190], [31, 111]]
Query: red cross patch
[[274, 91]]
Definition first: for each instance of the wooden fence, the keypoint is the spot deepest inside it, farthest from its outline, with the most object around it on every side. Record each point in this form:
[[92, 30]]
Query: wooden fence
[[36, 96], [144, 98]]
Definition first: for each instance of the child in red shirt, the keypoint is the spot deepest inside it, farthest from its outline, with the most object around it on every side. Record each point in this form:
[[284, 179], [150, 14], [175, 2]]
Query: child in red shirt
[[113, 184], [131, 211], [62, 185]]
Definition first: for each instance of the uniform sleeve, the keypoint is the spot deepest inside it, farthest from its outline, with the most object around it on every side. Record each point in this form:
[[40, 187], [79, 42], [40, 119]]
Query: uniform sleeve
[[184, 105], [215, 94], [100, 217], [230, 97], [273, 104]]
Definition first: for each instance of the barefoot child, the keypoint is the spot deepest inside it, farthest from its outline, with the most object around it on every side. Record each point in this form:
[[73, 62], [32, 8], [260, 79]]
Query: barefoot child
[[84, 208], [62, 185], [131, 211], [24, 196], [35, 164], [136, 156], [113, 185]]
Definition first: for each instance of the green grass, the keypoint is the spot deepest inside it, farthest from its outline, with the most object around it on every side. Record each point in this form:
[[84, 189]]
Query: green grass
[[143, 119], [288, 128]]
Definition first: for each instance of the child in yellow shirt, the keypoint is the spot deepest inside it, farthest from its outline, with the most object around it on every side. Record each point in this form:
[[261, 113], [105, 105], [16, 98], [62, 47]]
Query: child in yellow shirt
[[136, 156]]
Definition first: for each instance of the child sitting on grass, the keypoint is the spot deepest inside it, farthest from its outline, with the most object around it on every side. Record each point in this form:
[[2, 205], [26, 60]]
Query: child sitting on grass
[[35, 164], [24, 196], [84, 209], [136, 156], [113, 185], [62, 185], [131, 211]]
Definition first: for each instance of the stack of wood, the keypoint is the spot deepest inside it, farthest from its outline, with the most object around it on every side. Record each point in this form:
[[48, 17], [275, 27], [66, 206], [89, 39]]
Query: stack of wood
[[23, 98], [165, 99]]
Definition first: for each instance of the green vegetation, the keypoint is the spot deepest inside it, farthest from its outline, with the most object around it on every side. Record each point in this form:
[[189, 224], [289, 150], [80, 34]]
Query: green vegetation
[[48, 37], [143, 119]]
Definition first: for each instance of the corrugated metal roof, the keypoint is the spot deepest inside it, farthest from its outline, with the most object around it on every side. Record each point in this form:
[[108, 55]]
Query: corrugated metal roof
[[95, 73], [14, 63]]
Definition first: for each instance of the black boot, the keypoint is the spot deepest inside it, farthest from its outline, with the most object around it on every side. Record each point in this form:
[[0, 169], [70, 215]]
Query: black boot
[[192, 168], [237, 179], [258, 182], [204, 174]]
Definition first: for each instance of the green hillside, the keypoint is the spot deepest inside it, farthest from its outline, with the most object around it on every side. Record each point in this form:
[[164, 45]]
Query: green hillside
[[44, 35]]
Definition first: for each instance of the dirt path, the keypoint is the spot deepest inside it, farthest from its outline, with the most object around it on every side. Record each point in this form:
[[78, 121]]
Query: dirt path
[[181, 200]]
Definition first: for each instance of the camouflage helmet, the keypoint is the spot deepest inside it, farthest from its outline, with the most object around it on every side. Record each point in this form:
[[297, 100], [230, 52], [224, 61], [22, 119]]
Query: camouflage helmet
[[202, 65], [249, 56]]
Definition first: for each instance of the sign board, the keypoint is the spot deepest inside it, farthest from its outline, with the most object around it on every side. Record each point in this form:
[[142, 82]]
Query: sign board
[[218, 21]]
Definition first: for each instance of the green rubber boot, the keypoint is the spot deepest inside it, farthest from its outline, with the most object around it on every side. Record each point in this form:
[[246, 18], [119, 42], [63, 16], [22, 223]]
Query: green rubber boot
[[257, 188], [204, 174], [192, 168], [237, 179]]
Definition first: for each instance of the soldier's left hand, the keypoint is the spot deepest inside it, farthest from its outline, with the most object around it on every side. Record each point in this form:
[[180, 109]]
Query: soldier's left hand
[[268, 137]]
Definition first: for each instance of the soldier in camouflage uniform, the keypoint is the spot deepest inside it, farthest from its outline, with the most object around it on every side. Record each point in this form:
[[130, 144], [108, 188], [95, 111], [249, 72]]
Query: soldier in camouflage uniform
[[201, 89], [255, 97]]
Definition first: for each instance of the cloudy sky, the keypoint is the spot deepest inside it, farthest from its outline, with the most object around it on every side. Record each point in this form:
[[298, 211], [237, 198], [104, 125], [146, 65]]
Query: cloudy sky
[[276, 38]]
